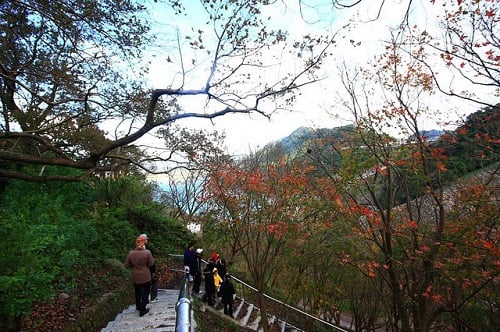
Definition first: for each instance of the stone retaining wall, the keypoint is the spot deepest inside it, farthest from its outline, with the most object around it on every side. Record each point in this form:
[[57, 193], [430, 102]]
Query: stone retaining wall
[[104, 310]]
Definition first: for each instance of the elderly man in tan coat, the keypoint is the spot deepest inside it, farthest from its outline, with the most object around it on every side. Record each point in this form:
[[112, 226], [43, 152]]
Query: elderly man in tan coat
[[140, 260]]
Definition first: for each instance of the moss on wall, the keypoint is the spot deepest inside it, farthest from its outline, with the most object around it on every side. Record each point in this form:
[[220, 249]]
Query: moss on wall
[[104, 310]]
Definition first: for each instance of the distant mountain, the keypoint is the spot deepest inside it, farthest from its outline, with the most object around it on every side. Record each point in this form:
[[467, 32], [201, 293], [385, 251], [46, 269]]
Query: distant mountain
[[306, 136], [471, 146], [429, 135], [302, 136]]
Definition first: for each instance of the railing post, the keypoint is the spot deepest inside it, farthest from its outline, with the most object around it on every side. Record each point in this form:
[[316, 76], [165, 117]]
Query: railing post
[[183, 306]]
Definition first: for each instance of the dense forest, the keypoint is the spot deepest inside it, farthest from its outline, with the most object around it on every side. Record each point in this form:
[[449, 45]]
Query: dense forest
[[72, 238], [342, 223]]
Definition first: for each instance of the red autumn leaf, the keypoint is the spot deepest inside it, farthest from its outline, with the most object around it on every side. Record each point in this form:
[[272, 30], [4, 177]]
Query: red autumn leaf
[[488, 245], [436, 297], [490, 13], [438, 265], [381, 170], [427, 292], [412, 224]]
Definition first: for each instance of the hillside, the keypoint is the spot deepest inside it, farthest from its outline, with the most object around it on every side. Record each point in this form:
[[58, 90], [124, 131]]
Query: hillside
[[303, 137], [471, 146]]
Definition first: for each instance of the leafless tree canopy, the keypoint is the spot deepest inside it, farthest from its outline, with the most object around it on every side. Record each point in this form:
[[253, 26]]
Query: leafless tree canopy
[[67, 73], [73, 79]]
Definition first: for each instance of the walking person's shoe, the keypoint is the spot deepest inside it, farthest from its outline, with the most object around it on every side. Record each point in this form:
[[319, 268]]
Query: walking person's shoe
[[154, 300], [142, 313]]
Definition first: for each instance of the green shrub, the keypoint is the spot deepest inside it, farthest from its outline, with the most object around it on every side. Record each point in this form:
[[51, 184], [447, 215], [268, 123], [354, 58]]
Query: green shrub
[[56, 236]]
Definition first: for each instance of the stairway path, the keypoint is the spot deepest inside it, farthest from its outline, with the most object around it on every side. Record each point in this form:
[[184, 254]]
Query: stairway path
[[160, 318]]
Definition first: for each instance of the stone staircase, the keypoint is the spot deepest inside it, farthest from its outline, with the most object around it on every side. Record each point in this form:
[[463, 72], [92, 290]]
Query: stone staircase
[[248, 315], [162, 316]]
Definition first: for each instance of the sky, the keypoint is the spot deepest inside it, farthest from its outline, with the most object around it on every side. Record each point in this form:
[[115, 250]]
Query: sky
[[316, 106]]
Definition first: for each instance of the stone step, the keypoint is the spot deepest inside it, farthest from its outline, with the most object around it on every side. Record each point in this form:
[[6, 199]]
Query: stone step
[[246, 318], [161, 316], [254, 325], [240, 305]]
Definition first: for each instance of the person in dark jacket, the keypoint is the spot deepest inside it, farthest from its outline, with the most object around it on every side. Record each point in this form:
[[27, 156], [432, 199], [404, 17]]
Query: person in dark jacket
[[220, 264], [197, 271], [190, 260], [209, 282], [140, 260], [227, 291]]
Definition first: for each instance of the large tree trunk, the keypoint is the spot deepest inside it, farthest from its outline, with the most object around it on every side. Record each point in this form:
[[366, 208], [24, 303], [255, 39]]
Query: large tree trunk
[[400, 314], [263, 311]]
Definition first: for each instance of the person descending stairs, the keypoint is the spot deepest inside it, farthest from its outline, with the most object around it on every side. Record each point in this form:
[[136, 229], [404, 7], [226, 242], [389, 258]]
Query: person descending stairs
[[161, 316]]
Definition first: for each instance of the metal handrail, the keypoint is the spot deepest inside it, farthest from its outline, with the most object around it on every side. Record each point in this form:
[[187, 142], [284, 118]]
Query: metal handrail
[[183, 306], [186, 278], [289, 306]]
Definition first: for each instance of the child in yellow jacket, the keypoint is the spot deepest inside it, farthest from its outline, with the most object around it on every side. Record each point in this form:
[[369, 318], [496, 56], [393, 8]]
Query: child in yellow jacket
[[217, 279]]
